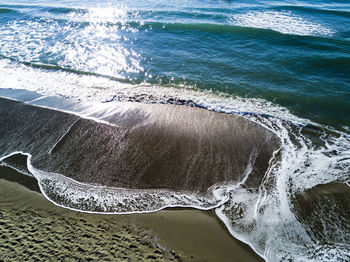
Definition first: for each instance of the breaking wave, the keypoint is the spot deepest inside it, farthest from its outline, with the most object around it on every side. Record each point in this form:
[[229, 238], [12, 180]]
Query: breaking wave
[[281, 21]]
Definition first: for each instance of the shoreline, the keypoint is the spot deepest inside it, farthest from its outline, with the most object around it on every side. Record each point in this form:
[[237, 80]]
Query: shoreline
[[34, 228]]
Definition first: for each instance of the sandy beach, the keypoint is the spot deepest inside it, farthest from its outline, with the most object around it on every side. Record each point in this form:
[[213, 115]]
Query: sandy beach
[[214, 131], [34, 229]]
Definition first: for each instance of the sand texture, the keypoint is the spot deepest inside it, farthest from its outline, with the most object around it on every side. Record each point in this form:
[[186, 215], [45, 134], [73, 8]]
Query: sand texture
[[34, 229], [32, 236]]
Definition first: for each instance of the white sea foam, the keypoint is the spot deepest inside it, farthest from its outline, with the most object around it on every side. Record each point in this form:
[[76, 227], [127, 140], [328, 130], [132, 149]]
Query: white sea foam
[[74, 195], [283, 22], [263, 218], [99, 89]]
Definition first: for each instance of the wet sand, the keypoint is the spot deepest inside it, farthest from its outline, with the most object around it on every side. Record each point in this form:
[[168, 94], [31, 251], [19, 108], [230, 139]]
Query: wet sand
[[34, 229]]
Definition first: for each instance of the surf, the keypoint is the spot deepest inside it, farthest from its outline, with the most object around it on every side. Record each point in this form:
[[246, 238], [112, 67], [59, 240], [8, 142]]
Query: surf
[[138, 147], [237, 107]]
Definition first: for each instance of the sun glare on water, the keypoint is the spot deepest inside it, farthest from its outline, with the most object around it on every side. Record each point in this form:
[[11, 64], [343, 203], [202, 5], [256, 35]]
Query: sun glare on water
[[100, 44]]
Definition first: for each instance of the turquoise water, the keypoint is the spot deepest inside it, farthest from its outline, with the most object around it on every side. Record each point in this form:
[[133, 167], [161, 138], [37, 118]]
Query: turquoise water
[[293, 53], [283, 64]]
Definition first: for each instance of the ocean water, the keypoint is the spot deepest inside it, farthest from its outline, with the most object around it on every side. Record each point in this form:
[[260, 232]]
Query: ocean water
[[284, 65]]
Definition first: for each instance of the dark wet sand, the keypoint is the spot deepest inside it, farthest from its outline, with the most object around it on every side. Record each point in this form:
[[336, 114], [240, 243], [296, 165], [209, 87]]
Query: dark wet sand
[[34, 229], [145, 146]]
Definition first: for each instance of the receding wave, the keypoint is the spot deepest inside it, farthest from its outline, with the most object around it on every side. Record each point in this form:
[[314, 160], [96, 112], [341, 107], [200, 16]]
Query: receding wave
[[165, 151], [97, 140], [259, 210]]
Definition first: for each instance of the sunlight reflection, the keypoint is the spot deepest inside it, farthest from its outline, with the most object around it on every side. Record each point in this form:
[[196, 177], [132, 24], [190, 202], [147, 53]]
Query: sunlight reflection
[[97, 40], [97, 45]]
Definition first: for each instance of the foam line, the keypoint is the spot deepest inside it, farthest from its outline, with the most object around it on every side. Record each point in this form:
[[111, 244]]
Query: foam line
[[96, 167], [264, 210], [281, 21], [117, 192]]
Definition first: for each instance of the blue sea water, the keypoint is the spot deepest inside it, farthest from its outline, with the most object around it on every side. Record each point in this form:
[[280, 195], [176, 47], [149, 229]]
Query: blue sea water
[[288, 60], [293, 53]]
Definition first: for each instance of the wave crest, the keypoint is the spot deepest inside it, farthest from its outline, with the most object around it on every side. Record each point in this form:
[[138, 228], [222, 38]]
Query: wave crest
[[283, 22]]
